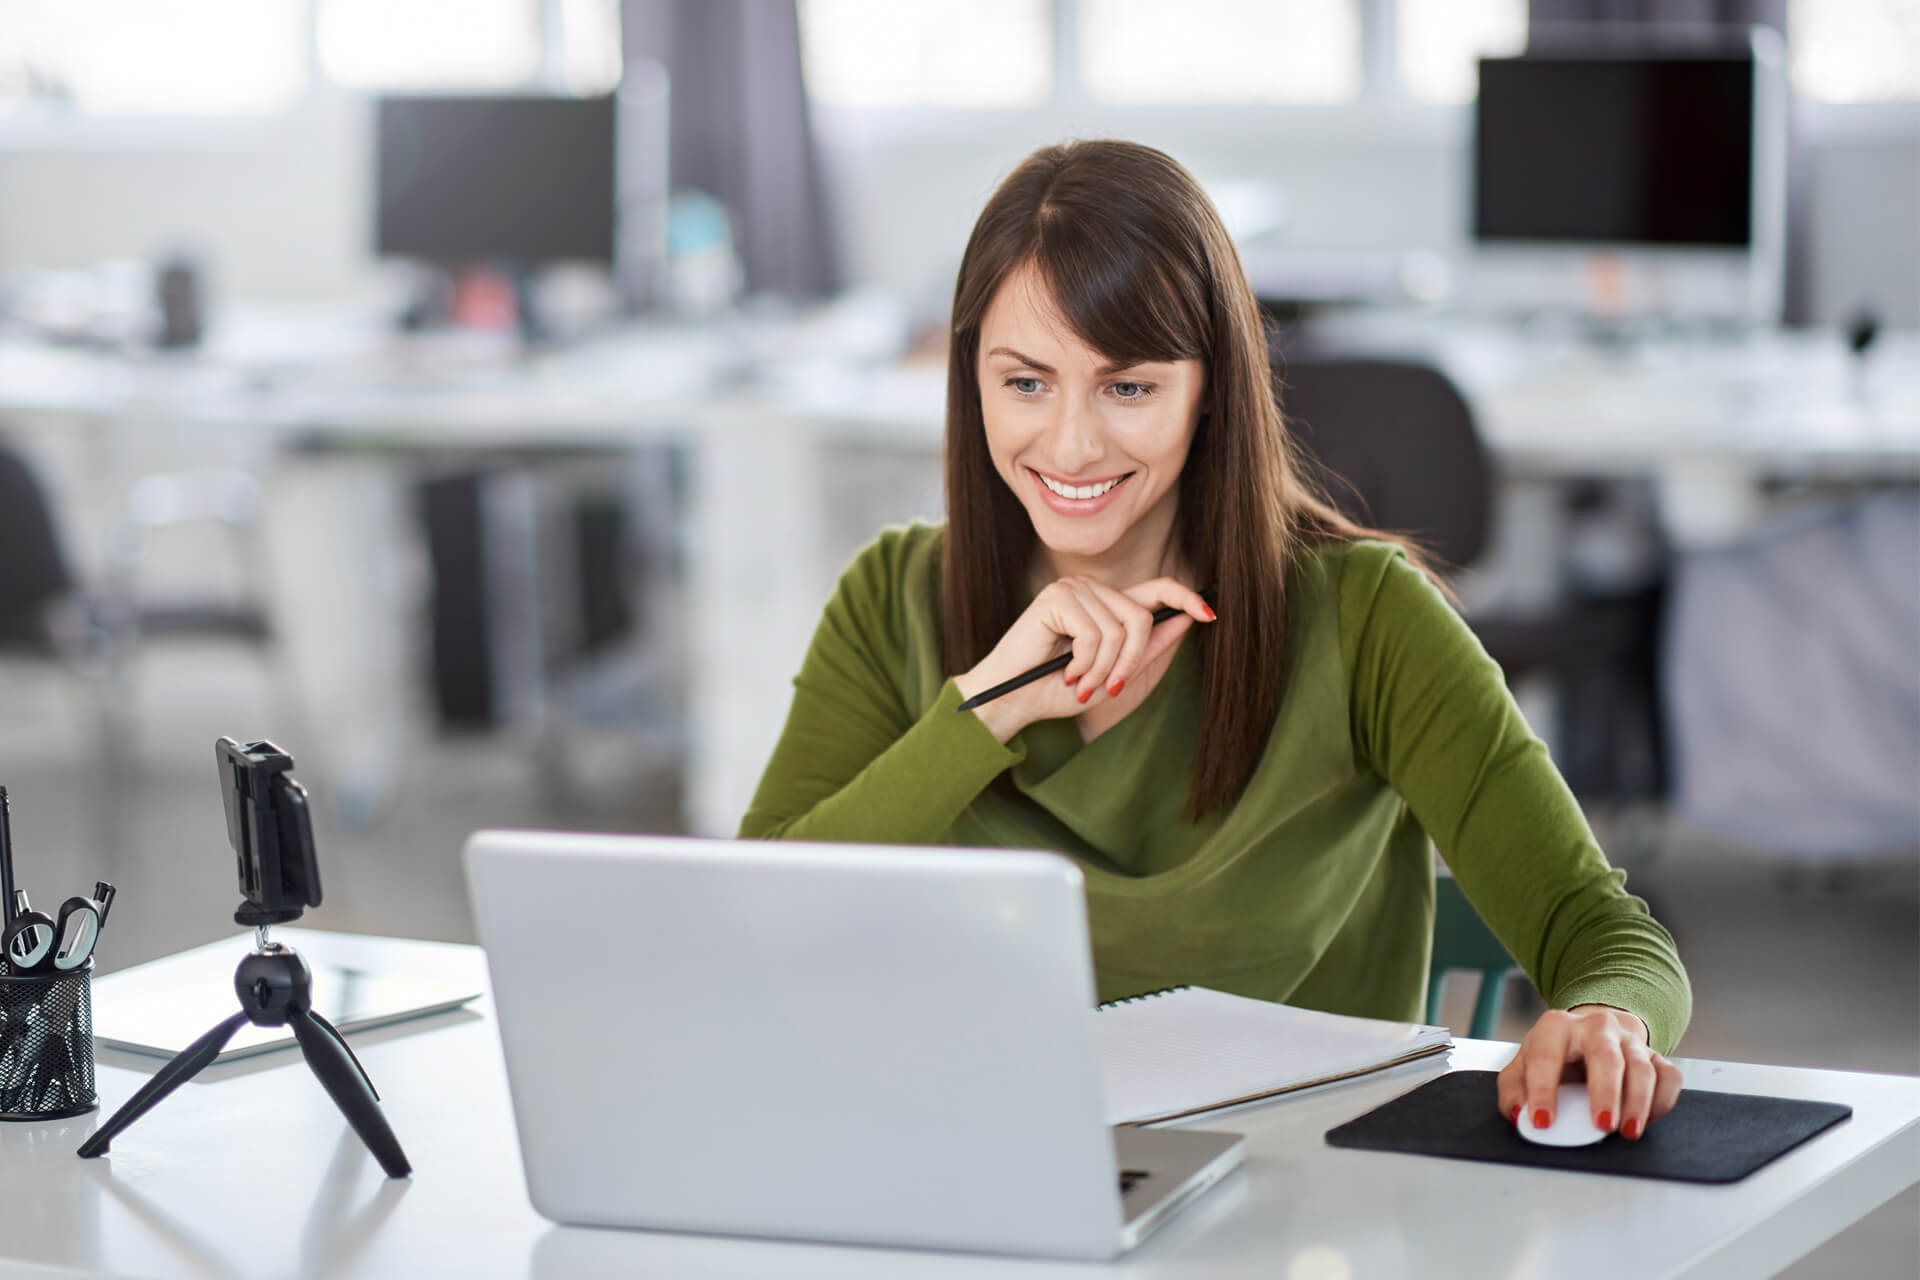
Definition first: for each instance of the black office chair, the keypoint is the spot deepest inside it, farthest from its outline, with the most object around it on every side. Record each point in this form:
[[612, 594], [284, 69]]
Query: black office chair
[[1395, 447], [46, 614], [33, 573]]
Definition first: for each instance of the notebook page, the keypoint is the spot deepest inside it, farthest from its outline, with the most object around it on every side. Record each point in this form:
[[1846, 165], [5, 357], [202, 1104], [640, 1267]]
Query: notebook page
[[1194, 1048]]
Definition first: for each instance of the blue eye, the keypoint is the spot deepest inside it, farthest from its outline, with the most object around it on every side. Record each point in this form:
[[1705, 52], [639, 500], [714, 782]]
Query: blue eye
[[1033, 389], [1141, 389]]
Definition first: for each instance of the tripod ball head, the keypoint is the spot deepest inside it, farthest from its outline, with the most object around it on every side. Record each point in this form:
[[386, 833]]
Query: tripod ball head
[[272, 986]]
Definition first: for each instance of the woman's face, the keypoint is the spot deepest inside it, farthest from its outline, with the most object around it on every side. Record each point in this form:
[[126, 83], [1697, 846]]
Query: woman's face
[[1092, 451]]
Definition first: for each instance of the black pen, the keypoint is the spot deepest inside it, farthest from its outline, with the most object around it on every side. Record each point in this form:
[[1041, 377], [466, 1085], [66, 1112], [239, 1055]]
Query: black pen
[[1164, 613], [6, 858]]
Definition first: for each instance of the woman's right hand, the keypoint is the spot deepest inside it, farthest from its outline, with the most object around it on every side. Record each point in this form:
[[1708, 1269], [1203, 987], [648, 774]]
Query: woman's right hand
[[1113, 639]]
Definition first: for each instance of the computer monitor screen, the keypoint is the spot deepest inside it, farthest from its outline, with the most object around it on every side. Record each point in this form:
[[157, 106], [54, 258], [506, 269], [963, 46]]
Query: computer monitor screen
[[468, 179], [1615, 150]]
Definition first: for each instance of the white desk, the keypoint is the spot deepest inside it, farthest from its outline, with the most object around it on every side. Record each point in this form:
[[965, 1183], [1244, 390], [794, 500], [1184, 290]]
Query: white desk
[[251, 1172]]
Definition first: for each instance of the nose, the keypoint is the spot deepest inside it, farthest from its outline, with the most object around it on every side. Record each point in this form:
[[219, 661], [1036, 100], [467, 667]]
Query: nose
[[1075, 439]]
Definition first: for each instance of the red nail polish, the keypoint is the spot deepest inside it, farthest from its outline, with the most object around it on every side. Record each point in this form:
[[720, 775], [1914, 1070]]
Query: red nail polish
[[1632, 1129], [1113, 690], [1606, 1120], [1085, 694], [1540, 1117], [1211, 615], [1071, 679], [1516, 1113]]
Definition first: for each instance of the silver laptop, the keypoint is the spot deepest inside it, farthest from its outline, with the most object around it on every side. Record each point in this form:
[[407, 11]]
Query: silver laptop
[[824, 1042]]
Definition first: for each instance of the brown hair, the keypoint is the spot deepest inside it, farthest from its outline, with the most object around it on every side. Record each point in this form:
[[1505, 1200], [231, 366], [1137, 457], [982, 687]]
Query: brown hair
[[1142, 269]]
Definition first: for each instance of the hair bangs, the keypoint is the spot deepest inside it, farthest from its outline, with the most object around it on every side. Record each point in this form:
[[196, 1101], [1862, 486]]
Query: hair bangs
[[1115, 289]]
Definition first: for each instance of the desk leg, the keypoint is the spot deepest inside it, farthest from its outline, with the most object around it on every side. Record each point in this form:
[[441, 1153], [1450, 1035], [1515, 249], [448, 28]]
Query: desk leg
[[756, 590], [1707, 501]]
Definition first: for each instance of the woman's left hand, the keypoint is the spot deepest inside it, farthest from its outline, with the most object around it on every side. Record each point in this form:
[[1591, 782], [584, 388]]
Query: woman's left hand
[[1628, 1084]]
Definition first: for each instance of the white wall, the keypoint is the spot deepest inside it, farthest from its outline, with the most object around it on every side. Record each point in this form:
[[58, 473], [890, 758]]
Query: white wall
[[1353, 180], [1366, 179], [278, 207], [1864, 192]]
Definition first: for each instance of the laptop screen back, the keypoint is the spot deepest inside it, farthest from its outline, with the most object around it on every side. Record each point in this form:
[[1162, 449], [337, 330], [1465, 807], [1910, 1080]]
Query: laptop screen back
[[827, 1042]]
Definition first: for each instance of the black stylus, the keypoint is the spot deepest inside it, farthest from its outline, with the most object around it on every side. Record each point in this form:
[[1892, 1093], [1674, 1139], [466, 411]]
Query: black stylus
[[6, 860], [1051, 665]]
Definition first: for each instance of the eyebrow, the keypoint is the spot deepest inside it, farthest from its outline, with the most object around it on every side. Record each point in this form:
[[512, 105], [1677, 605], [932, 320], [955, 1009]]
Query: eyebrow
[[1031, 363]]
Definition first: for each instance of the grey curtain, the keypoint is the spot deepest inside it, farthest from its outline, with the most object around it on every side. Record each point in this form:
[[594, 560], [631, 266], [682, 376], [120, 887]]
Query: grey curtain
[[741, 130], [1557, 23]]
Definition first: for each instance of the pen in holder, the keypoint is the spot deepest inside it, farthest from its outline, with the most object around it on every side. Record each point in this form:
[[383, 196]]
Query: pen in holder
[[46, 1045]]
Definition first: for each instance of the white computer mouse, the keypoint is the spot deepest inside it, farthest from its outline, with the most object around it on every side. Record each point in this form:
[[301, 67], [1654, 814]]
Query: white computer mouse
[[1572, 1125]]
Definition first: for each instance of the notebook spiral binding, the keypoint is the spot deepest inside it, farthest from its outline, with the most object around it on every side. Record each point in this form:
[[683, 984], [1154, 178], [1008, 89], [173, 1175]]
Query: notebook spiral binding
[[1144, 995]]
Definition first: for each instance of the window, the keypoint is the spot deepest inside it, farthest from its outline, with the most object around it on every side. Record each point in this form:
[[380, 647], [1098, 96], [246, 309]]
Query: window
[[944, 53], [429, 44], [1855, 50], [589, 55], [405, 45], [131, 57], [1152, 51], [1438, 43]]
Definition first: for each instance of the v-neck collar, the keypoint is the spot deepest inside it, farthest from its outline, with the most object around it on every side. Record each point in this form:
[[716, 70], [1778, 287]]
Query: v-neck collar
[[1056, 745]]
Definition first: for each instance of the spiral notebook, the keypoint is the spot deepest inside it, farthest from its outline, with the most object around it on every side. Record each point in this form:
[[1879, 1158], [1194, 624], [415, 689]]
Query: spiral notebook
[[1179, 1052]]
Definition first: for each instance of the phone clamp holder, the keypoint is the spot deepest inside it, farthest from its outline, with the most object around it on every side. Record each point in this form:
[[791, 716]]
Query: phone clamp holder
[[273, 983]]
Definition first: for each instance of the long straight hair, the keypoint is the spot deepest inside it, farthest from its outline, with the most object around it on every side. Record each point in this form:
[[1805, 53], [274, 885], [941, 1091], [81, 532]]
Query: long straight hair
[[1140, 266]]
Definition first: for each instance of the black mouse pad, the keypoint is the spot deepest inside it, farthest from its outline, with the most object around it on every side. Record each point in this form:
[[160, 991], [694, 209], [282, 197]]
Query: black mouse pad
[[1707, 1137]]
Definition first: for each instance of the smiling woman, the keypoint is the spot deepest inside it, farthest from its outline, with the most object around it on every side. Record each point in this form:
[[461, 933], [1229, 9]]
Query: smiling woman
[[1249, 795]]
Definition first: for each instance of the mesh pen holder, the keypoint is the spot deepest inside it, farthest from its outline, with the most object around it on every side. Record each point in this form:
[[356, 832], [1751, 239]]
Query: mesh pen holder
[[46, 1045]]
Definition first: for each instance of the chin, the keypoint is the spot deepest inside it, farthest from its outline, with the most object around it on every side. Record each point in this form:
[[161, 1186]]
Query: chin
[[1077, 538]]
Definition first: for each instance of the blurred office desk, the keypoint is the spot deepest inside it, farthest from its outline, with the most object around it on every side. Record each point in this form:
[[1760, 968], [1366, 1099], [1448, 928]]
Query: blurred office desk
[[344, 400], [250, 1171], [1708, 420], [338, 390]]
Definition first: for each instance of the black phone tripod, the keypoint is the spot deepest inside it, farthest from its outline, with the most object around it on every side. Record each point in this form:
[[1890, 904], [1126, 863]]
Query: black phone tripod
[[276, 990]]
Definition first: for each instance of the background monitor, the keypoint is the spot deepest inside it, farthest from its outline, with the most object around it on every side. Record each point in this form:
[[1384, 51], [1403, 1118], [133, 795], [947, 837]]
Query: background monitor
[[1608, 149], [469, 179]]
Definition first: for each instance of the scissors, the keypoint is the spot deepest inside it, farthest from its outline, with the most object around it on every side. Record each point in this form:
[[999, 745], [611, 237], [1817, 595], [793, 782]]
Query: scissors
[[37, 943]]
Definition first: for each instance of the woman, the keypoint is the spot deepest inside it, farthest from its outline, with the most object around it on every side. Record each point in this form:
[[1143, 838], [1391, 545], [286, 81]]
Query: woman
[[1250, 793]]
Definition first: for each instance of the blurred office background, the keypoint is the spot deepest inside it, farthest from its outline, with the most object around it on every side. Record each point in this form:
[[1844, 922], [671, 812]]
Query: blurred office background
[[479, 397]]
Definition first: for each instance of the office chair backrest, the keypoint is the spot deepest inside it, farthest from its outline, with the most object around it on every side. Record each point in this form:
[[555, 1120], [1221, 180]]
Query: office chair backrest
[[1396, 446], [33, 572]]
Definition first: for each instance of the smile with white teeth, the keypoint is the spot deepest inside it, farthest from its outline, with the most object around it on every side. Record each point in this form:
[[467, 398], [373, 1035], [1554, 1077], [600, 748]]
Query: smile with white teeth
[[1080, 492]]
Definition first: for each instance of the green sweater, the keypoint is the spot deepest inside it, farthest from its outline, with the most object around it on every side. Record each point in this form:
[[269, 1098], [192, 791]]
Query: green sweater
[[1316, 887]]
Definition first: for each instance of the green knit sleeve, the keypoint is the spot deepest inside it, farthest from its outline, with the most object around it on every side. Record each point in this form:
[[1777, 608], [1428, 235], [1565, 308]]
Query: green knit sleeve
[[854, 761], [1431, 714]]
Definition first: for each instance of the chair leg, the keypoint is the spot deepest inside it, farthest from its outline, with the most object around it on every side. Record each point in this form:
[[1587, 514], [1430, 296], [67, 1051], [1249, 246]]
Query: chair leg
[[1486, 1005]]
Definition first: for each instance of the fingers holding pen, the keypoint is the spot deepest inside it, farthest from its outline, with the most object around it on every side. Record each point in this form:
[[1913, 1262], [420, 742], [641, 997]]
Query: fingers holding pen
[[1067, 619], [1157, 592], [1088, 628], [1134, 624], [1092, 638]]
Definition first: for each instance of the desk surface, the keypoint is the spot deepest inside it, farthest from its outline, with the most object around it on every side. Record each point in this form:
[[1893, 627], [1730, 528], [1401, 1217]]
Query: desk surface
[[249, 1171]]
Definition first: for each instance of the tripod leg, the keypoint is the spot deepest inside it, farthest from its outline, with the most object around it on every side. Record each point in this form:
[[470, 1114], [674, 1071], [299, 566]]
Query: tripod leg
[[333, 1031], [336, 1068], [183, 1068]]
